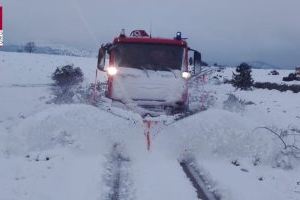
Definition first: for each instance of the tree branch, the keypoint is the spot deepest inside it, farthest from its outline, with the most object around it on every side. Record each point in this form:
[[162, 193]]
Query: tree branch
[[278, 135]]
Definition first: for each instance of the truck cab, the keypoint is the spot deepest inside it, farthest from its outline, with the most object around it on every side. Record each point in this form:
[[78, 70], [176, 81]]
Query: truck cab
[[149, 72]]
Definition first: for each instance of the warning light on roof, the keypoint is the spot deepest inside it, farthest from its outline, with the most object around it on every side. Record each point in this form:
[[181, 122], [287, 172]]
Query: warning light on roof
[[178, 35]]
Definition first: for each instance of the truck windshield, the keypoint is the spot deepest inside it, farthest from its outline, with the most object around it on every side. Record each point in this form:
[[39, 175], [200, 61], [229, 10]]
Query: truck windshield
[[148, 56]]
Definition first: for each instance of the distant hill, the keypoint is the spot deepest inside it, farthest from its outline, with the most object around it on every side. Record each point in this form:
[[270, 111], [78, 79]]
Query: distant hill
[[262, 65], [53, 50]]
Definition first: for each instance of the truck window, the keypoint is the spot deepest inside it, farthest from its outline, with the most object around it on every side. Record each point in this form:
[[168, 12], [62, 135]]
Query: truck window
[[149, 56]]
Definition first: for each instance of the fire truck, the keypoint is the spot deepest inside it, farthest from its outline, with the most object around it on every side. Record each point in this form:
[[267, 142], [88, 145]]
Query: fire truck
[[148, 71]]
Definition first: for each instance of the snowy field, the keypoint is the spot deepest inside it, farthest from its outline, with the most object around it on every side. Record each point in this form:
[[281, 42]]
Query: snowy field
[[262, 75], [55, 152]]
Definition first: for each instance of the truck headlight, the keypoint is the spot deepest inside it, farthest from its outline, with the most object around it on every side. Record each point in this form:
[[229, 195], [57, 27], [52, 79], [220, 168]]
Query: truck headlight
[[112, 71], [186, 75]]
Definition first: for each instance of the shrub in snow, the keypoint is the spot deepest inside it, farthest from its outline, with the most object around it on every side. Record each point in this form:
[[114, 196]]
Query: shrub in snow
[[67, 88], [274, 86], [67, 75], [291, 77], [273, 72], [242, 78], [234, 104]]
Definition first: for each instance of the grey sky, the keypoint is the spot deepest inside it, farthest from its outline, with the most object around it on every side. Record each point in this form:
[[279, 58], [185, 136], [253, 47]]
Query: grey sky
[[225, 31]]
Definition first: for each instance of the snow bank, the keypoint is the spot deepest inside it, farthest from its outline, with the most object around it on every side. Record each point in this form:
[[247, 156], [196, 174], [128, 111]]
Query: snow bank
[[217, 133], [81, 127]]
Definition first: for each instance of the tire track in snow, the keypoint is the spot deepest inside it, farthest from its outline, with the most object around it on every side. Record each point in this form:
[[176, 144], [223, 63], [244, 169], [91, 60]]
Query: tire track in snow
[[198, 181], [117, 177]]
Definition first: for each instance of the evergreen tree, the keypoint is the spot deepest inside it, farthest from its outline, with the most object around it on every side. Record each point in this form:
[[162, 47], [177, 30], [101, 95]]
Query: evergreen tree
[[242, 78]]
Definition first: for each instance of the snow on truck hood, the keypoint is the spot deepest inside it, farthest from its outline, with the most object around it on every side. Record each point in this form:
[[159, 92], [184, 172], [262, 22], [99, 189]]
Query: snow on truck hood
[[148, 85]]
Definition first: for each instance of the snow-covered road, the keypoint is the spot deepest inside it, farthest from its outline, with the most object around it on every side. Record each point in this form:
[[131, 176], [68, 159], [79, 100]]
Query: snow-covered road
[[159, 177], [57, 152]]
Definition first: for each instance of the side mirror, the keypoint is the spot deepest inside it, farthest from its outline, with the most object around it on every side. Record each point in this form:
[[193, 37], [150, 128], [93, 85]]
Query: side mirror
[[191, 61], [197, 58], [197, 62], [101, 58]]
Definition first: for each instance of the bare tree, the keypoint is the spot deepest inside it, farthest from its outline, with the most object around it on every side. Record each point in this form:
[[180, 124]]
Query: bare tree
[[289, 139], [29, 47]]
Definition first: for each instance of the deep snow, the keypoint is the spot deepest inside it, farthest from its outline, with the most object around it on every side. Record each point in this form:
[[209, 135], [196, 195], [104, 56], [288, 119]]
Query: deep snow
[[52, 151]]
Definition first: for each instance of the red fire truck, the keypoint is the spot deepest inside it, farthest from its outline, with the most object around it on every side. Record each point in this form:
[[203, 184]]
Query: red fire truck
[[151, 72]]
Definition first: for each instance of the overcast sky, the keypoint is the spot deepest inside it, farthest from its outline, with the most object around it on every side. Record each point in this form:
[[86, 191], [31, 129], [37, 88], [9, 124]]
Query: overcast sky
[[225, 31]]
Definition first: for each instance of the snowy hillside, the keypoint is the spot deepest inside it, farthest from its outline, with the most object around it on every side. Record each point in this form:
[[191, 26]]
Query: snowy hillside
[[52, 49], [50, 151], [261, 65]]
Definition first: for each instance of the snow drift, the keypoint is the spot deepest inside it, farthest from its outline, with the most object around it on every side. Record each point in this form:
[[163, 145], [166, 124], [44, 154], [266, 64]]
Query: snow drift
[[218, 133], [81, 127]]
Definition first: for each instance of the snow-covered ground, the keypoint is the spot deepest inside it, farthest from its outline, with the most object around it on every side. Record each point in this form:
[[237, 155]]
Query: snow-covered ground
[[262, 75], [50, 151]]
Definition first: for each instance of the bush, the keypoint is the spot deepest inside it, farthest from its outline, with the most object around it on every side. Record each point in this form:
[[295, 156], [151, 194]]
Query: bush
[[291, 77], [67, 75], [234, 104], [242, 78], [274, 72], [275, 86], [67, 88]]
